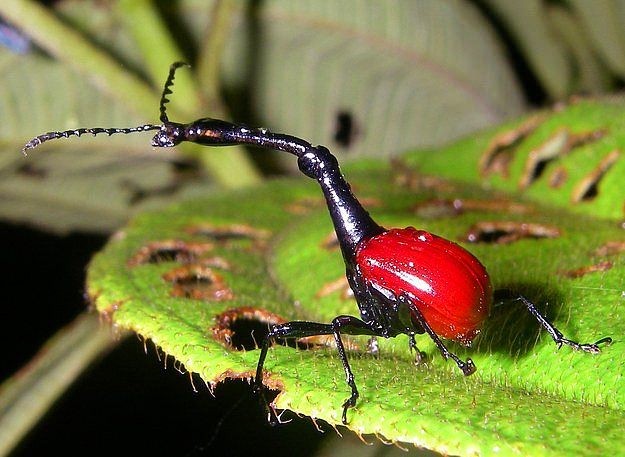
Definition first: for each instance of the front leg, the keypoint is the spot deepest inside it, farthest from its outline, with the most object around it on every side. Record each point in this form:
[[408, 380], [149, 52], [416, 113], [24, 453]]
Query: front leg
[[351, 326], [299, 329]]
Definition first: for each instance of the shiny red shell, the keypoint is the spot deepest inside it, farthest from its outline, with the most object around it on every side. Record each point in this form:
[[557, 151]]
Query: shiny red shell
[[445, 282]]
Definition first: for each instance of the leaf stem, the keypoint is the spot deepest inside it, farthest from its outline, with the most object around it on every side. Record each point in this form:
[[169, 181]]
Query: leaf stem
[[212, 47], [158, 50]]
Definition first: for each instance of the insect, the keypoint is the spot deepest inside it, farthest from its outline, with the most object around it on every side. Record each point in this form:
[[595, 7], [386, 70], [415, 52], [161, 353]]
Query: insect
[[405, 281]]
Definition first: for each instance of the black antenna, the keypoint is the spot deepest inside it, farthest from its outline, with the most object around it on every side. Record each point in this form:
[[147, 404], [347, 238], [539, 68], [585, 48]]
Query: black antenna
[[79, 132], [112, 131], [166, 91]]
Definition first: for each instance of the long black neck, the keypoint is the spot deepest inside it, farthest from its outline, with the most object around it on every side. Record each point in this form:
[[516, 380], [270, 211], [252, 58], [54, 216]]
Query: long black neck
[[352, 222]]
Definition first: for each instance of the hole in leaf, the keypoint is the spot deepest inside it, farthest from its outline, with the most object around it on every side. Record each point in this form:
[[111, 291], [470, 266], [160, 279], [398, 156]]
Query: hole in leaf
[[229, 233], [588, 188], [558, 145], [438, 208], [558, 177], [304, 205], [413, 180], [198, 282], [244, 328], [504, 232], [582, 271], [338, 285], [610, 248], [346, 129], [247, 334], [498, 155], [538, 158], [169, 251]]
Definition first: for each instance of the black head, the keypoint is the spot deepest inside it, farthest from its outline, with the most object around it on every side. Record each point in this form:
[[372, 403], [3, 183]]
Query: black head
[[169, 135]]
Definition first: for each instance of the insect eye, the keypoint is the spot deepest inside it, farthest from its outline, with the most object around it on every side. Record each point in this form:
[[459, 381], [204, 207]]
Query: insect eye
[[167, 137]]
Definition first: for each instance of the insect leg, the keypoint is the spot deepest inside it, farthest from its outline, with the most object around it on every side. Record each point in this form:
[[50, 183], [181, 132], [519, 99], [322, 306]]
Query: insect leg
[[296, 329], [467, 367], [557, 336], [419, 356], [300, 329]]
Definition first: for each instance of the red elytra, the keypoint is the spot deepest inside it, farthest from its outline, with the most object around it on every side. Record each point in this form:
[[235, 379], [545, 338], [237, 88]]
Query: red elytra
[[446, 282]]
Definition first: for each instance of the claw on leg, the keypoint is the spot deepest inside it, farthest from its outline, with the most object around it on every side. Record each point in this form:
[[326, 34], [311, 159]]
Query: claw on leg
[[558, 337]]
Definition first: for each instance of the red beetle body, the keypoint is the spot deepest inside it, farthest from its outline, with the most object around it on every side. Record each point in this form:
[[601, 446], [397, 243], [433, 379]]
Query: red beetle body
[[445, 282]]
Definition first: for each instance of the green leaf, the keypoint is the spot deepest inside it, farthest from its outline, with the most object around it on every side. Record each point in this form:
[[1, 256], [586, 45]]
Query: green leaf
[[571, 47], [560, 162], [186, 277], [528, 22], [381, 76], [603, 22]]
